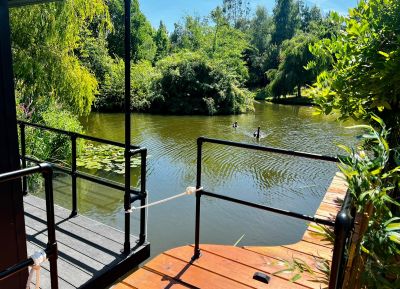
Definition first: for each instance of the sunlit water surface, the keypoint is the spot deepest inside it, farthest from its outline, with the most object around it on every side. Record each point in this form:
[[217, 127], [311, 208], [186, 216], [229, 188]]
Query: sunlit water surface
[[281, 181]]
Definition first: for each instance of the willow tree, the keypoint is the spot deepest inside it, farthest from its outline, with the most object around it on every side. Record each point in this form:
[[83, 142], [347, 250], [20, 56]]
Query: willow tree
[[47, 40], [291, 72]]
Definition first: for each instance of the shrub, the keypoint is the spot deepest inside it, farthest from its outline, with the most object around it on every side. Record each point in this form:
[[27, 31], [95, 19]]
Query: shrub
[[191, 84], [112, 91]]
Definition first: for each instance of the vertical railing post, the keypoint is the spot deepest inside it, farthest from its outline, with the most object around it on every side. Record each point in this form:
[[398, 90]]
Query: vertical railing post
[[127, 196], [198, 200], [142, 235], [51, 227], [23, 157], [74, 211], [342, 230]]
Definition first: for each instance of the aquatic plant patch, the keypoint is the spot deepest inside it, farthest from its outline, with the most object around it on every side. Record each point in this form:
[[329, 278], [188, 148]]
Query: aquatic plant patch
[[105, 157]]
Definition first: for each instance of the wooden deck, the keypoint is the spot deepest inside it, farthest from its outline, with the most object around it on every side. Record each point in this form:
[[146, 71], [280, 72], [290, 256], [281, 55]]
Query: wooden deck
[[228, 267], [86, 249]]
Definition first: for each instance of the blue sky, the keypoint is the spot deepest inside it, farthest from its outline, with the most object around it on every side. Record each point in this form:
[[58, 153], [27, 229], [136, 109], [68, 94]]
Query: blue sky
[[171, 11]]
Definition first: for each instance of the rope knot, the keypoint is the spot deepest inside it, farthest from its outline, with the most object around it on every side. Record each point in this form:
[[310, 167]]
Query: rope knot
[[38, 258]]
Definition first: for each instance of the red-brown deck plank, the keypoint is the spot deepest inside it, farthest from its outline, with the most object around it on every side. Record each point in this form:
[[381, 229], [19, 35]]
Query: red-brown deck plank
[[187, 273], [145, 279], [228, 268], [233, 267]]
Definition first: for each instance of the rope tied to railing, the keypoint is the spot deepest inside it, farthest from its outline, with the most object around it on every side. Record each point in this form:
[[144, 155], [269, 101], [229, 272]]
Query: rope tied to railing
[[38, 258], [189, 191]]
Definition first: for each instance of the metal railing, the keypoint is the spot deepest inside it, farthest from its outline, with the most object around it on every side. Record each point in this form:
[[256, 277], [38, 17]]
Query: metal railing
[[342, 225], [131, 194], [51, 248]]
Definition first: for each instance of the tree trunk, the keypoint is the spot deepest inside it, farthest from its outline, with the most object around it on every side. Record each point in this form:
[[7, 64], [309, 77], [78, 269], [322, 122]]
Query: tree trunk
[[298, 91]]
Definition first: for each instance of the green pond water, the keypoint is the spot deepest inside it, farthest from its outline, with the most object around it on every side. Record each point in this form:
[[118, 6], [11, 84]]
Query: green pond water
[[281, 181]]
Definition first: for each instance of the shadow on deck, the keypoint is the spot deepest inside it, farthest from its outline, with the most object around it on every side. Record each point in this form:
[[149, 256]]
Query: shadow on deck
[[89, 252], [223, 267]]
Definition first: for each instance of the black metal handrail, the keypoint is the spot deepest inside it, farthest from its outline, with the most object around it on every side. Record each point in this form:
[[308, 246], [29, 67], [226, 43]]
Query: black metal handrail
[[131, 194], [342, 225], [51, 248]]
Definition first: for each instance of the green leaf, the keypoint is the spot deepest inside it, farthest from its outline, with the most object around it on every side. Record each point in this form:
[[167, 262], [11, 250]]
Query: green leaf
[[384, 54], [295, 278], [393, 227], [395, 237]]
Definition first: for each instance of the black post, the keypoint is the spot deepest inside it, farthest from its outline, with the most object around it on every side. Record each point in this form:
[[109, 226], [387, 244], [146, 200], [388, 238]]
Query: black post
[[127, 197], [142, 236], [198, 200], [74, 211], [12, 225], [23, 157], [51, 227], [343, 226]]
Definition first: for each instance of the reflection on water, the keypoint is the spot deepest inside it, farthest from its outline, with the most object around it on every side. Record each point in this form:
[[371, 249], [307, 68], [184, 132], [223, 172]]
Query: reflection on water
[[280, 181]]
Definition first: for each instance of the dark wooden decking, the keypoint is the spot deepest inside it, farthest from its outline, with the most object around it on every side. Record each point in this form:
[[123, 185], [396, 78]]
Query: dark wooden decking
[[86, 248], [228, 267]]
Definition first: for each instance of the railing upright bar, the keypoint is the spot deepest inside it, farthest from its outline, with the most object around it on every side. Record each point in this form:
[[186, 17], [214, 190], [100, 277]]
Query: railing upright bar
[[142, 235], [74, 211], [127, 52], [51, 248], [343, 226], [198, 200], [51, 227], [23, 157]]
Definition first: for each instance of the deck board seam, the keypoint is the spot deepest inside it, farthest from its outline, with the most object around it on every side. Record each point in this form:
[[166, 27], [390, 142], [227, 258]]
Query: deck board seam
[[35, 242], [78, 238], [252, 267], [208, 270], [179, 281], [77, 224]]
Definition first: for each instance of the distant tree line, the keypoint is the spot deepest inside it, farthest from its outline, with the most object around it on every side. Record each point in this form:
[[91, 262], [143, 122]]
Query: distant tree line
[[69, 56]]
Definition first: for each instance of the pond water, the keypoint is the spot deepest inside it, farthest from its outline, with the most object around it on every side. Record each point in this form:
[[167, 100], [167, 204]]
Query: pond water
[[281, 181]]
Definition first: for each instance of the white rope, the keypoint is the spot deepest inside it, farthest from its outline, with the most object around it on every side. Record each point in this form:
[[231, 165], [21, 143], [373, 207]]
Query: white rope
[[38, 258], [189, 191]]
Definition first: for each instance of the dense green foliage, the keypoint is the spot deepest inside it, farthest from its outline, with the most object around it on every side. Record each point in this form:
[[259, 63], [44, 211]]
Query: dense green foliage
[[372, 183], [142, 33], [74, 57], [193, 84], [113, 87], [46, 42], [365, 77], [291, 71]]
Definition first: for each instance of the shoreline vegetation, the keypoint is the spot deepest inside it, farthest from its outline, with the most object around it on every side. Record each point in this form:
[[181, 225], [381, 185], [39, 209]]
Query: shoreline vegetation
[[68, 60], [207, 65]]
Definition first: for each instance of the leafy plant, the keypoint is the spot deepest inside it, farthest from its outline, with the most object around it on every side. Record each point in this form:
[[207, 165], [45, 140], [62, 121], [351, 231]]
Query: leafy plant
[[365, 77], [371, 181], [106, 158], [374, 253]]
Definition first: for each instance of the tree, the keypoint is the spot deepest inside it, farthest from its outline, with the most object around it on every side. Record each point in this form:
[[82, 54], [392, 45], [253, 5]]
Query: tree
[[189, 35], [309, 15], [365, 77], [286, 20], [291, 73], [236, 12], [46, 44], [142, 33], [258, 57], [193, 84], [162, 42]]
